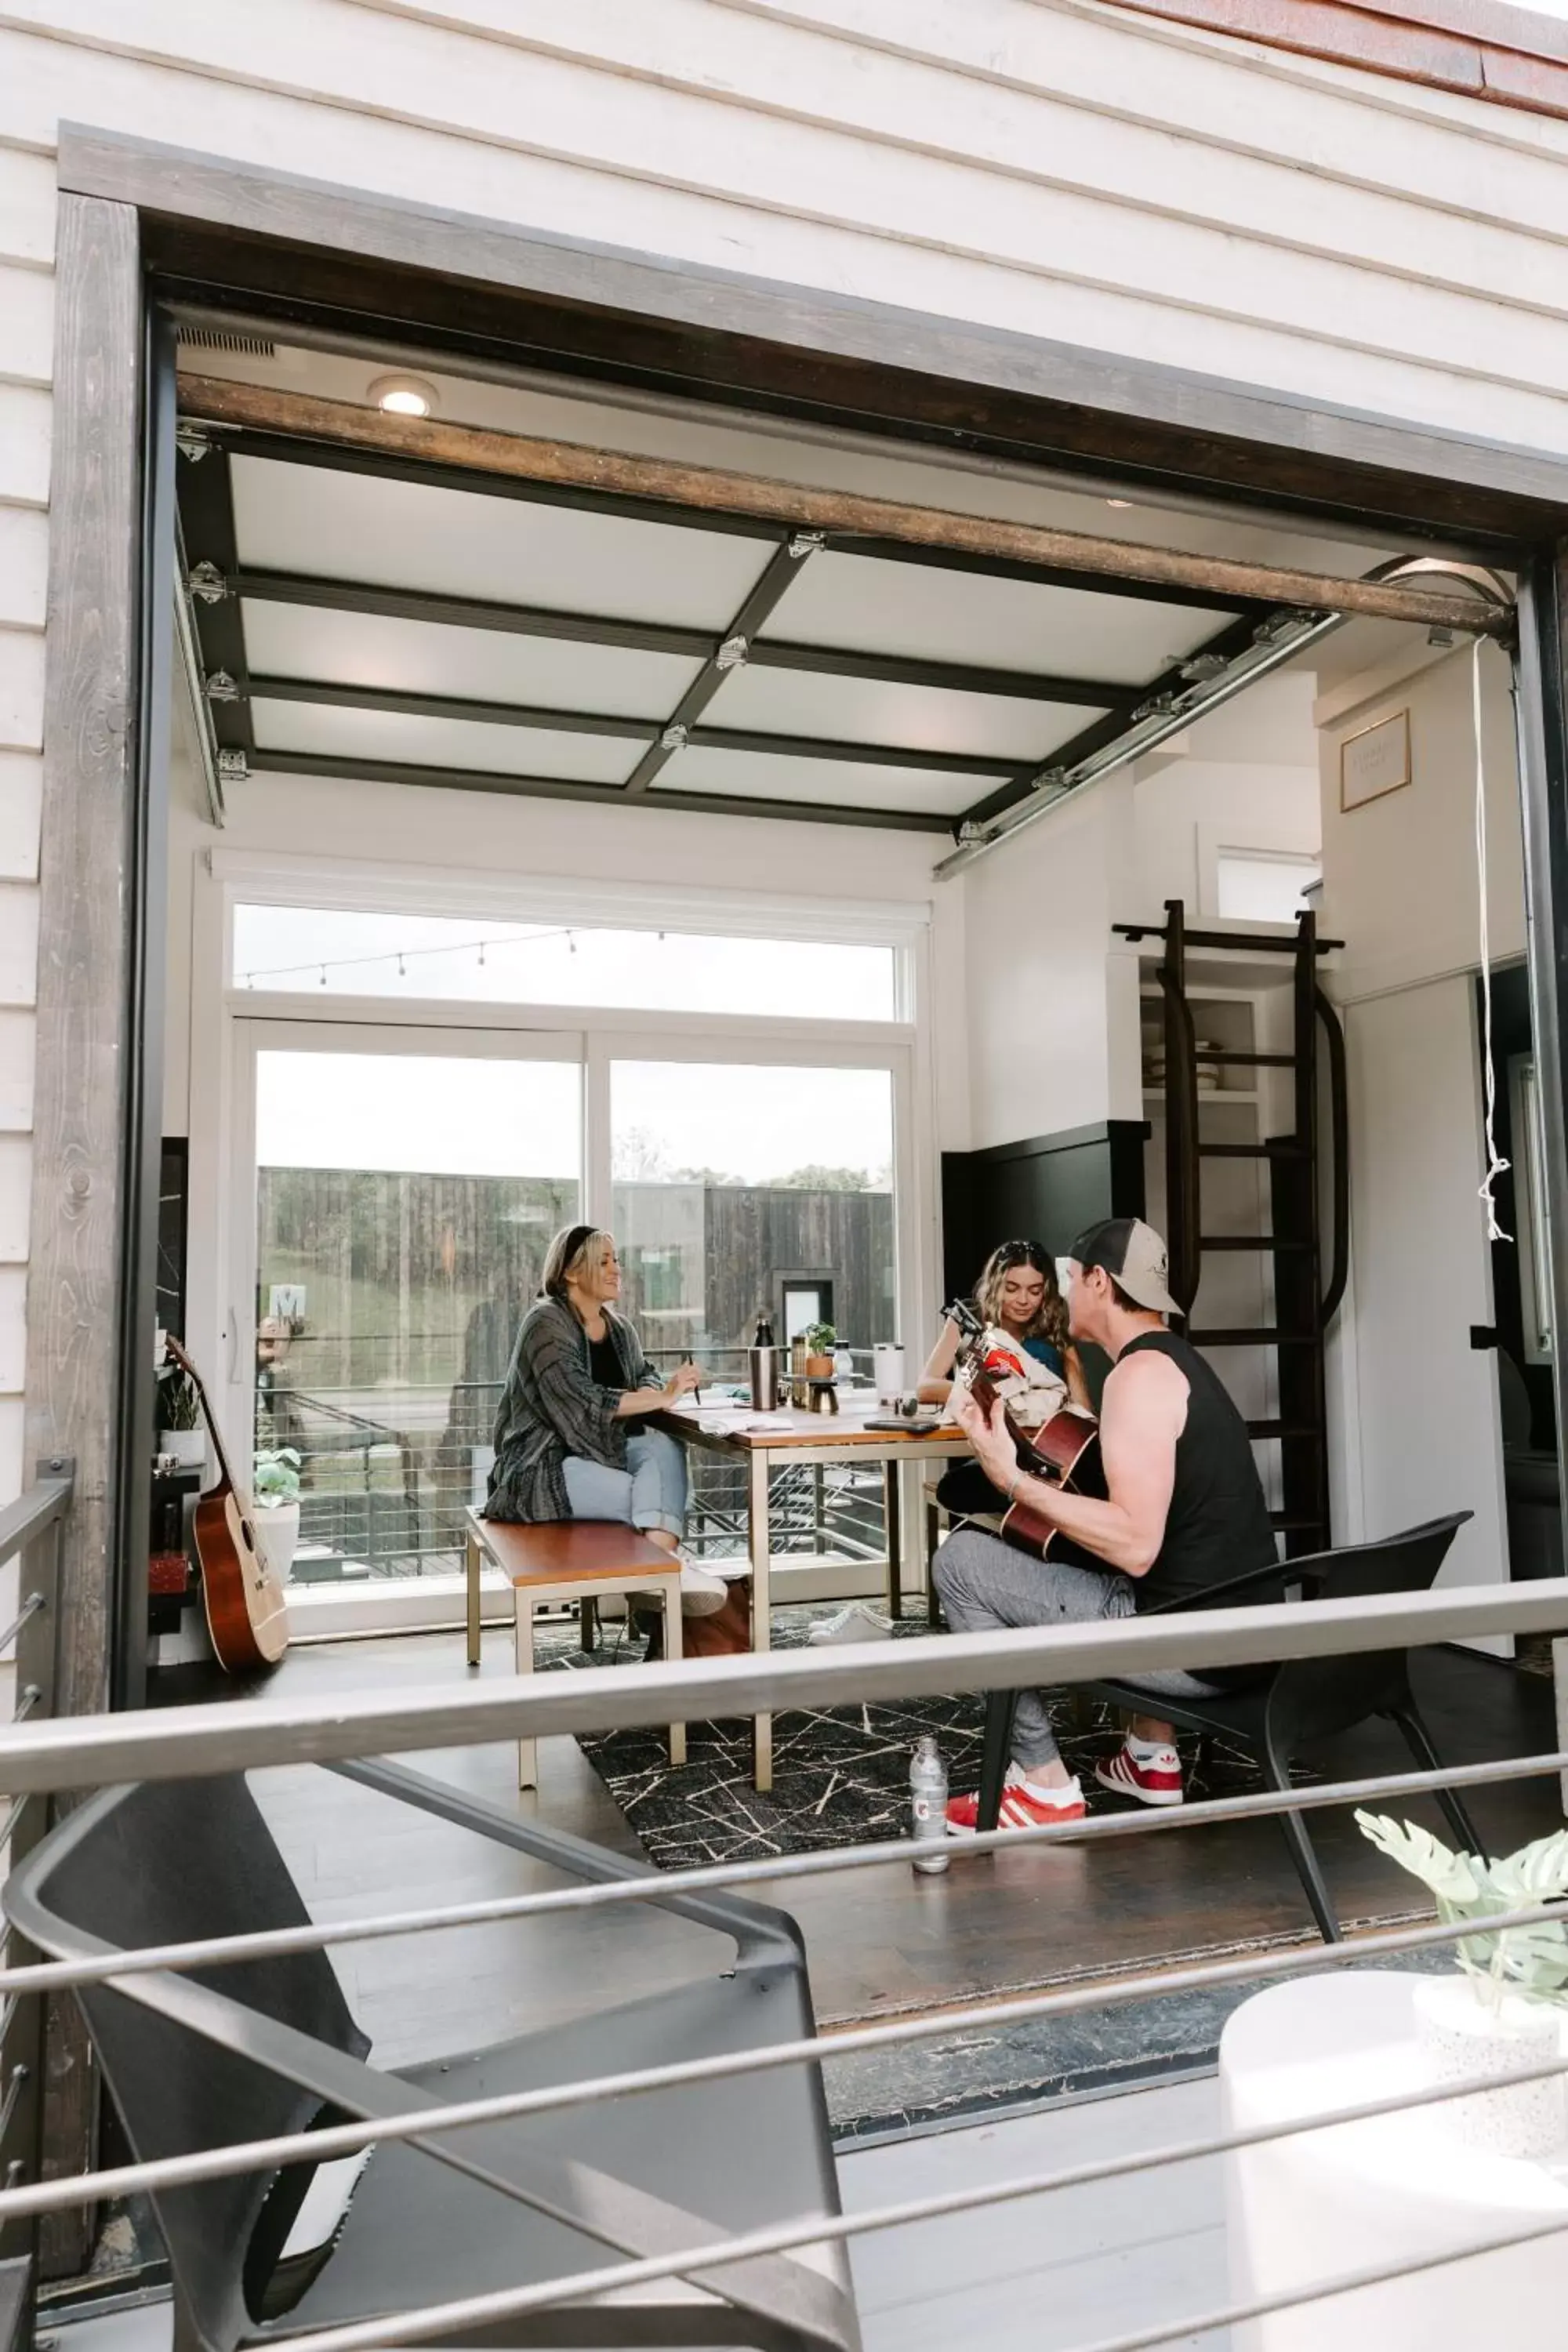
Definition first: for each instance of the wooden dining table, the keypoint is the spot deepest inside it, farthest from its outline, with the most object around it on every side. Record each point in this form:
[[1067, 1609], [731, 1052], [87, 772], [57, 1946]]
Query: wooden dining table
[[776, 1441]]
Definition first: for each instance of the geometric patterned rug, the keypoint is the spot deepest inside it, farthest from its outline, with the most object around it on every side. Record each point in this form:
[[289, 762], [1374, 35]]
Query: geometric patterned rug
[[841, 1774]]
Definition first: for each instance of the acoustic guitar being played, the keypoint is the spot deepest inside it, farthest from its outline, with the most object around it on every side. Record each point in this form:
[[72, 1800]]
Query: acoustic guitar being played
[[1063, 1451], [247, 1612]]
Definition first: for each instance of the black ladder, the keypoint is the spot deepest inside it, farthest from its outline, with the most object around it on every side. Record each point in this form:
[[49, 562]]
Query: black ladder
[[1307, 1295]]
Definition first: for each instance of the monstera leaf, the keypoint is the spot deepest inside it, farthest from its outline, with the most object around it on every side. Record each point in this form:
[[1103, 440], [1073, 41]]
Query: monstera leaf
[[1455, 1879], [1531, 1960]]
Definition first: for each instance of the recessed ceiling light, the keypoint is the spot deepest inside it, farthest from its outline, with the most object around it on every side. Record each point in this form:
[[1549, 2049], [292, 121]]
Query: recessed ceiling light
[[1110, 502], [405, 395]]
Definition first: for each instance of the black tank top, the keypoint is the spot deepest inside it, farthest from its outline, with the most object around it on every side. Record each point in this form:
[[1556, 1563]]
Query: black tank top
[[1218, 1525]]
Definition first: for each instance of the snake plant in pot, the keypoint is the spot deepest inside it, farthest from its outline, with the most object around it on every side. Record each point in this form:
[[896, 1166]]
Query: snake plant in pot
[[1504, 2011]]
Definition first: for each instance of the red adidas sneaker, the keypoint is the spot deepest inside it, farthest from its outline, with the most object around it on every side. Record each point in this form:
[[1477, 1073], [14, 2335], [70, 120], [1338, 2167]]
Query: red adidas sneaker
[[1154, 1780], [1023, 1807]]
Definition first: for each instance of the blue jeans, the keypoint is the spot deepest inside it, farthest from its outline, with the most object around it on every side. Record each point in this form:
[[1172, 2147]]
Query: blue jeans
[[650, 1491]]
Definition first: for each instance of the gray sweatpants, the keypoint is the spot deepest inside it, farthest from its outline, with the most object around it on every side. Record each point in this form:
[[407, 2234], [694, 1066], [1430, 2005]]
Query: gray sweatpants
[[985, 1584]]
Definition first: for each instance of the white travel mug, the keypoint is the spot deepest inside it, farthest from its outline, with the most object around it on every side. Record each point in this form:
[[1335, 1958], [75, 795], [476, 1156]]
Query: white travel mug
[[888, 1362]]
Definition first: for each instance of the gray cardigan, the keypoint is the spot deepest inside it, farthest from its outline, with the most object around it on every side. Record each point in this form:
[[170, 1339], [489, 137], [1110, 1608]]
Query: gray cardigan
[[552, 1406]]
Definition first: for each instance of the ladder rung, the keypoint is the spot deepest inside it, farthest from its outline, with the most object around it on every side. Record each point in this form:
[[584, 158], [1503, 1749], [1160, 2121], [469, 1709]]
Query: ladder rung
[[1242, 1339], [1278, 1148], [1284, 1429], [1287, 1522], [1248, 1061], [1251, 1242]]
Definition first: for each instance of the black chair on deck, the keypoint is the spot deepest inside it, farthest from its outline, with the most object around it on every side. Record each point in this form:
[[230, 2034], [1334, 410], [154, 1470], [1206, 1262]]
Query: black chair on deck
[[269, 2046], [1292, 1704]]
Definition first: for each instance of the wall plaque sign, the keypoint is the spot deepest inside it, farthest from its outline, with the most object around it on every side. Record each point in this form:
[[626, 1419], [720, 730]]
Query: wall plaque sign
[[1375, 762]]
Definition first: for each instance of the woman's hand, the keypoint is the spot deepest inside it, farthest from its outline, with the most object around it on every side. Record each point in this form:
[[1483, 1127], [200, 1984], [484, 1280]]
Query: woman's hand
[[994, 1447], [681, 1381]]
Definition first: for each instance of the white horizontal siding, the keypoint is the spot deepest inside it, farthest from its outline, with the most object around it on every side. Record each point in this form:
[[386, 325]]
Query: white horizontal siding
[[24, 568], [21, 689], [1421, 272], [24, 447], [21, 800], [15, 1178]]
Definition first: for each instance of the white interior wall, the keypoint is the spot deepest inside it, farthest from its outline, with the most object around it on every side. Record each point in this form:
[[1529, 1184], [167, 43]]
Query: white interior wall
[[1051, 1006], [1051, 167], [1415, 1407]]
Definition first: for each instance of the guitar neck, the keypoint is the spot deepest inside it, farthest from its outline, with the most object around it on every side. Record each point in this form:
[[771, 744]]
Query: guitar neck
[[179, 1356]]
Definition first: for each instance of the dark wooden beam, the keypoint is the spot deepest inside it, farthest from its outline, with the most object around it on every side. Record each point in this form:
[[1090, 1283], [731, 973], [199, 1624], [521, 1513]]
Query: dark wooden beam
[[571, 788], [1067, 557]]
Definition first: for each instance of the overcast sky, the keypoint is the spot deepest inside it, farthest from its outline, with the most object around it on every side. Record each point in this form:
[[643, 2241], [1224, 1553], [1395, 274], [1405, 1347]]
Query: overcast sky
[[449, 1114]]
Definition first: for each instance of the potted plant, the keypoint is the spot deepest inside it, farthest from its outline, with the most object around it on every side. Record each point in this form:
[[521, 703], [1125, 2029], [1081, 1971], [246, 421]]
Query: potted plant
[[1504, 2011], [182, 1430], [821, 1339], [275, 1487]]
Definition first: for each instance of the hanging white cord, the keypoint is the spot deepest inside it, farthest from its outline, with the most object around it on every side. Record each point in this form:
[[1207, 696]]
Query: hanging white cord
[[1496, 1167]]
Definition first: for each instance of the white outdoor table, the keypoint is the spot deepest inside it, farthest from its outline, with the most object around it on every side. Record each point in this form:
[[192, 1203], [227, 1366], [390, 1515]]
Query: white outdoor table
[[1306, 2210], [790, 1436]]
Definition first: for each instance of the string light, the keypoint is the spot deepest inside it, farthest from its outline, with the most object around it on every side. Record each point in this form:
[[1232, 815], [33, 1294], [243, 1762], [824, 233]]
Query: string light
[[402, 957]]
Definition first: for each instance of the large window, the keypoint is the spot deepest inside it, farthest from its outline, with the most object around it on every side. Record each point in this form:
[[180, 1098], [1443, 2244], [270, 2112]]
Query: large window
[[404, 1204], [295, 950], [747, 1190]]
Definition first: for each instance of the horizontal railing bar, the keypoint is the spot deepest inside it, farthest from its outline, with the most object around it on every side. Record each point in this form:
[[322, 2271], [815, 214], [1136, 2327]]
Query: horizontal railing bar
[[345, 2140], [168, 1744], [30, 1514], [820, 2229], [671, 1886]]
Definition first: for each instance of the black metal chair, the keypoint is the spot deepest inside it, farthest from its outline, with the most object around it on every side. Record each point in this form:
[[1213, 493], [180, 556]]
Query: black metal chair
[[269, 2046], [1292, 1704]]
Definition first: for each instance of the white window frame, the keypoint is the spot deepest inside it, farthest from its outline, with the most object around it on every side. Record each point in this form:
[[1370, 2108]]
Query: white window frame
[[228, 1023]]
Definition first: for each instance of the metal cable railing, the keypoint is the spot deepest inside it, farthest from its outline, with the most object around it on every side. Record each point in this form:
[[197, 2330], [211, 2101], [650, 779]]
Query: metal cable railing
[[346, 1730]]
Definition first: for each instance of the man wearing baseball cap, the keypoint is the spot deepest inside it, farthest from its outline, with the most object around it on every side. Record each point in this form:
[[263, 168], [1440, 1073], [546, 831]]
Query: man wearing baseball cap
[[1185, 1509]]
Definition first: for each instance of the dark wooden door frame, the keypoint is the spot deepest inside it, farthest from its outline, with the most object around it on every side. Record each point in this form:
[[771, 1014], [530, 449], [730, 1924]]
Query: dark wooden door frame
[[137, 221]]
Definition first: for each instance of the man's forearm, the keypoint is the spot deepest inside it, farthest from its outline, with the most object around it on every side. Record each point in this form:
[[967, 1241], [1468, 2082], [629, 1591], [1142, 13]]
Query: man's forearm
[[1102, 1528]]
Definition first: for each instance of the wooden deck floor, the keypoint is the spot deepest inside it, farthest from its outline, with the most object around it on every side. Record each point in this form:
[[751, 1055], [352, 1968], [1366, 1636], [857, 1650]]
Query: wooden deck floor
[[879, 1941]]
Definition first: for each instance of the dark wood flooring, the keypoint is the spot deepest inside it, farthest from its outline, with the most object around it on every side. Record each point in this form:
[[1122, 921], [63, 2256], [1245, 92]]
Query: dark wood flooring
[[879, 1941]]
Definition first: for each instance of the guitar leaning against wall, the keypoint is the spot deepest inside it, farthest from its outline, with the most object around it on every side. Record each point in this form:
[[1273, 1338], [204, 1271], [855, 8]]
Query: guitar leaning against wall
[[245, 1609]]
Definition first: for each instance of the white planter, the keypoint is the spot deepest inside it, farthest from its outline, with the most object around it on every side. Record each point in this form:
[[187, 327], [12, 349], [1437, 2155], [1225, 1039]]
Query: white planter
[[188, 1447], [277, 1526], [1462, 2038]]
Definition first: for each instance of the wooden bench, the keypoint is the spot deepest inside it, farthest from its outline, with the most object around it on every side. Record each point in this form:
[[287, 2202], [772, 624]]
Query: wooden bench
[[569, 1559]]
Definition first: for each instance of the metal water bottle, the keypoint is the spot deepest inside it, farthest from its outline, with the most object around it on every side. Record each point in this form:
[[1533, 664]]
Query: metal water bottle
[[928, 1805], [763, 1362]]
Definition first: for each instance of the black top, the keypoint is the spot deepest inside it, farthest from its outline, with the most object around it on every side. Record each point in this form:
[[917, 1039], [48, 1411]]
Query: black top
[[603, 1364], [1218, 1525]]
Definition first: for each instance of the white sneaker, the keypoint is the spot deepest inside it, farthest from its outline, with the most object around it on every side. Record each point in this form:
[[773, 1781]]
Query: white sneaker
[[701, 1595], [854, 1622]]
